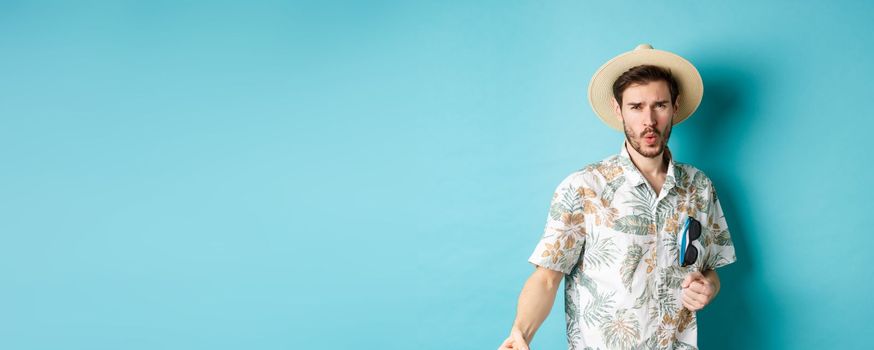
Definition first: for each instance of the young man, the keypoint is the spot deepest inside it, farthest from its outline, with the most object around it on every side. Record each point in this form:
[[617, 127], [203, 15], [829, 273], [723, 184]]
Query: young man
[[637, 236]]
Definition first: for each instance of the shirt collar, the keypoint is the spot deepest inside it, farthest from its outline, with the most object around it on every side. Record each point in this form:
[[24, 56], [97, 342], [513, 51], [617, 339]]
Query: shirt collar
[[635, 178]]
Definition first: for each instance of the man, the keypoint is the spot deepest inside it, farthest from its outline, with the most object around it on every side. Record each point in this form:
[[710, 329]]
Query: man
[[637, 236]]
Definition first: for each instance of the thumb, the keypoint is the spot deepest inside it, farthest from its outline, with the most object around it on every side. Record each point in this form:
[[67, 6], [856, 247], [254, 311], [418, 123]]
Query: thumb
[[519, 341], [691, 277]]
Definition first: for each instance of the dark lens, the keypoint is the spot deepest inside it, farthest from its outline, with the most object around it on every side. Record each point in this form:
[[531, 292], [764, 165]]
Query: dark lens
[[694, 230], [691, 256]]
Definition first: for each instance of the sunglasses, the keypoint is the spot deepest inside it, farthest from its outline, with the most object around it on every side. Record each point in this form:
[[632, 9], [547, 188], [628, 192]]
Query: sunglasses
[[692, 230]]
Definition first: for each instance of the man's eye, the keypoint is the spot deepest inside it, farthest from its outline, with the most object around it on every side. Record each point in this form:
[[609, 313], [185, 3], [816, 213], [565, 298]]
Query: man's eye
[[635, 107]]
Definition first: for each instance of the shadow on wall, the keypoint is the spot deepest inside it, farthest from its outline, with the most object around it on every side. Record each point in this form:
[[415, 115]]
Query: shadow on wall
[[733, 89]]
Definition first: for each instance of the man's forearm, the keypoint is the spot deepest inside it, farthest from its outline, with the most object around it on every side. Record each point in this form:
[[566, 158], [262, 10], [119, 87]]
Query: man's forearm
[[535, 302]]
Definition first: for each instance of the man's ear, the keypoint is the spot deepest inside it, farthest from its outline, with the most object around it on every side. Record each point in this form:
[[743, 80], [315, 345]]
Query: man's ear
[[676, 108], [617, 109]]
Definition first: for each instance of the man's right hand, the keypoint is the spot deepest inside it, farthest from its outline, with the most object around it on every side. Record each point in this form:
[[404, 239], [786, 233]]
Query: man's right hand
[[514, 342]]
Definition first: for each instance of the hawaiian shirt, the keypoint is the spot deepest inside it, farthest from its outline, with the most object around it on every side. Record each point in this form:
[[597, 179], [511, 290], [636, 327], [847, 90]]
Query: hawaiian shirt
[[617, 242]]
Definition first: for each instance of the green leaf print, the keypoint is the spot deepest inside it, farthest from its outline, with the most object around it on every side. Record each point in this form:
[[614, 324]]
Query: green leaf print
[[702, 191], [569, 202], [645, 300], [681, 175], [571, 199], [629, 265], [642, 195], [678, 345], [667, 300], [644, 297], [664, 210], [556, 210], [715, 260], [700, 182], [622, 331], [670, 244], [588, 283], [574, 335], [611, 188], [721, 237], [642, 210], [598, 310], [600, 253], [650, 343], [674, 276], [633, 224]]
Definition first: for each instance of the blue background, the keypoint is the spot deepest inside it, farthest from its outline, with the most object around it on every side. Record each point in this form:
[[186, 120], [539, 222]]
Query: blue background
[[335, 175]]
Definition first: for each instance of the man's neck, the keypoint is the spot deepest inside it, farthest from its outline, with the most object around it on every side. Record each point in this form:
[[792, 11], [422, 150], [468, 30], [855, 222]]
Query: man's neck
[[651, 168]]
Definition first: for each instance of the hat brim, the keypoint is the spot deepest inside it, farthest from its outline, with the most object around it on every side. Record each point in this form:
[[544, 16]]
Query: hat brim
[[687, 76]]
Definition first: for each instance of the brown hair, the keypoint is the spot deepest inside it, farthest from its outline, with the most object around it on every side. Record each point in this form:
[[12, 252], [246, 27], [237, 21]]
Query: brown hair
[[645, 74]]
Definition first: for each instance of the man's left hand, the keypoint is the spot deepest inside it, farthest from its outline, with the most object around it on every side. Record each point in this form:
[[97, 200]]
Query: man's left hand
[[698, 290]]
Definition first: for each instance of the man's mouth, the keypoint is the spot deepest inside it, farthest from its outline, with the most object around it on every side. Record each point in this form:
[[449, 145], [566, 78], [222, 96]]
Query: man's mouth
[[650, 138]]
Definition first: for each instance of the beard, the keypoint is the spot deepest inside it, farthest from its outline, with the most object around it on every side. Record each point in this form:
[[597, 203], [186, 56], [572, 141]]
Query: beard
[[635, 140]]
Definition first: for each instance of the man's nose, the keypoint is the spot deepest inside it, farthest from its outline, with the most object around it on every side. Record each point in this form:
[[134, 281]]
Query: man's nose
[[649, 117]]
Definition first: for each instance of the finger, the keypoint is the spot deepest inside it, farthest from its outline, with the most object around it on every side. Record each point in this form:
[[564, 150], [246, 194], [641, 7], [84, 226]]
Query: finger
[[692, 289], [512, 342], [688, 304], [701, 288], [691, 277], [690, 307], [685, 305], [519, 342], [696, 275], [691, 303], [517, 346], [697, 299]]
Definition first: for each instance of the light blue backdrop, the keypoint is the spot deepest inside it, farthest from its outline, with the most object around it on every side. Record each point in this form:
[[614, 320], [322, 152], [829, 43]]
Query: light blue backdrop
[[374, 175]]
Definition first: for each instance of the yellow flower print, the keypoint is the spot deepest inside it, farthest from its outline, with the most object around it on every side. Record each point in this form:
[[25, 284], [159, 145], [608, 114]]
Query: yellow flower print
[[553, 250], [589, 207], [573, 224], [610, 171], [569, 242], [684, 319], [672, 224], [667, 330], [586, 192], [572, 219], [650, 262]]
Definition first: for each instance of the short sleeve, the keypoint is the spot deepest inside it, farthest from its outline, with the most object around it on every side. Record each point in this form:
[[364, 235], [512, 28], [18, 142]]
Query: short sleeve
[[720, 249], [564, 235]]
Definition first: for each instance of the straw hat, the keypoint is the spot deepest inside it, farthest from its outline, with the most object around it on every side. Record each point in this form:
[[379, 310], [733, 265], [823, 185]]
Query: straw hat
[[688, 79]]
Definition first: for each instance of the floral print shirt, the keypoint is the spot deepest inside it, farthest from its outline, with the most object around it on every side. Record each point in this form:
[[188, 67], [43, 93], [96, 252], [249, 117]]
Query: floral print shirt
[[616, 241]]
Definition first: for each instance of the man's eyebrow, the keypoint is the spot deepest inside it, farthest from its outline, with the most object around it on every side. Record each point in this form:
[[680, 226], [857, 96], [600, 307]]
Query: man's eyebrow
[[640, 103]]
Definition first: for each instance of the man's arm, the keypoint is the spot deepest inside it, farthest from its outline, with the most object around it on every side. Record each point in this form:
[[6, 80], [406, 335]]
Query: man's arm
[[535, 302]]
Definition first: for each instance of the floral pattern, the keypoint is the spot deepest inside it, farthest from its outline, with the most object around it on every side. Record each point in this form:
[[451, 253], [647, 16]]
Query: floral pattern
[[616, 241]]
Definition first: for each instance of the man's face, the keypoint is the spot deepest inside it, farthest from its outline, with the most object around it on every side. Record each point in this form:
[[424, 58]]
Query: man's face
[[646, 114]]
